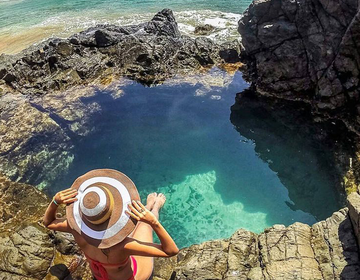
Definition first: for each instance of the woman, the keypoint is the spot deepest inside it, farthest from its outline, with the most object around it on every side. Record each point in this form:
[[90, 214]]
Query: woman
[[122, 255]]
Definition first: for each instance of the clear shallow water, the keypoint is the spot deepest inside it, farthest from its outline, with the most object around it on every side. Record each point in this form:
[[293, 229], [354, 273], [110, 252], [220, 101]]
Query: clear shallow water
[[177, 138], [23, 22]]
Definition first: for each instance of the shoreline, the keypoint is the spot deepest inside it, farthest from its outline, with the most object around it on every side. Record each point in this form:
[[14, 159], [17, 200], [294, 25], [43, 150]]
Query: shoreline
[[14, 40], [326, 250]]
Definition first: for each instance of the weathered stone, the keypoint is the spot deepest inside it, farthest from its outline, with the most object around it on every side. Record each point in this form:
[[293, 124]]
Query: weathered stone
[[334, 244], [148, 52], [353, 201], [16, 202], [204, 29], [243, 255], [27, 252], [204, 261], [65, 243], [286, 253], [305, 50]]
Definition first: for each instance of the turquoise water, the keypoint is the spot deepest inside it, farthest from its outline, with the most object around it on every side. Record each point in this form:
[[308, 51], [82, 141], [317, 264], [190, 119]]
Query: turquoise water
[[218, 176], [24, 22]]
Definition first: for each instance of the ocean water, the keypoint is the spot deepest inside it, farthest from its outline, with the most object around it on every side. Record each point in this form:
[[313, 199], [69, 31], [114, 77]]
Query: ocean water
[[24, 22], [220, 170]]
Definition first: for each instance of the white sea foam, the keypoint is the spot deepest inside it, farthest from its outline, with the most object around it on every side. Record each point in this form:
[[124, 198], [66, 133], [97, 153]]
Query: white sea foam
[[225, 23]]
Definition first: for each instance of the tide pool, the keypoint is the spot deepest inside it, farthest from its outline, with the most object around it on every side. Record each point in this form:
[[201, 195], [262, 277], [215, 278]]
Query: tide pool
[[220, 170]]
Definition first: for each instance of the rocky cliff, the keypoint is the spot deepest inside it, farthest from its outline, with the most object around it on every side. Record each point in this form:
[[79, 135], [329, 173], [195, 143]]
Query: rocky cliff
[[324, 251], [308, 51], [37, 98]]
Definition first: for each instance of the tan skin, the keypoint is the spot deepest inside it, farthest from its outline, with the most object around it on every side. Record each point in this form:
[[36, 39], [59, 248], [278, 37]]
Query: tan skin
[[138, 244]]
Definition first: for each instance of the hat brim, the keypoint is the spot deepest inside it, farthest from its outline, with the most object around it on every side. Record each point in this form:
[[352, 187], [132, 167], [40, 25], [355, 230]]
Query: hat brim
[[120, 224]]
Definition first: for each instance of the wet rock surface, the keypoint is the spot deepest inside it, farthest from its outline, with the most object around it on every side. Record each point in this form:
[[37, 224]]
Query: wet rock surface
[[305, 50], [46, 90], [148, 52], [204, 29], [30, 139]]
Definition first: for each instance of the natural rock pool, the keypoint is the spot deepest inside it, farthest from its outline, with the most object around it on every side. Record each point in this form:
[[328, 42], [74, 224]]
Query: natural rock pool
[[220, 170]]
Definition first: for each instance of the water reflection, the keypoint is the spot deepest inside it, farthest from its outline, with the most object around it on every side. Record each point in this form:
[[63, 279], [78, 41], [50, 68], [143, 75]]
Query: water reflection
[[298, 150]]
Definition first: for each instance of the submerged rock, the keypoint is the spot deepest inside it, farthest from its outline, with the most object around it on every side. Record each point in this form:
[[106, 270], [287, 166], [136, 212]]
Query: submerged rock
[[30, 141], [44, 108], [204, 29], [305, 50]]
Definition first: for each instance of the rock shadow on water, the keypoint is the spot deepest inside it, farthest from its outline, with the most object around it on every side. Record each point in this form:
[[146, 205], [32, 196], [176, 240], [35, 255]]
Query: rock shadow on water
[[301, 152], [177, 138]]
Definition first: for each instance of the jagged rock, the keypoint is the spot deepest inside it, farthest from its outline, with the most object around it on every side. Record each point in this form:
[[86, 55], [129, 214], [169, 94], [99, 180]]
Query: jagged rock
[[16, 202], [26, 247], [327, 250], [305, 50], [335, 247], [230, 52], [64, 243], [243, 256], [204, 29], [27, 252], [148, 52], [204, 261], [286, 253]]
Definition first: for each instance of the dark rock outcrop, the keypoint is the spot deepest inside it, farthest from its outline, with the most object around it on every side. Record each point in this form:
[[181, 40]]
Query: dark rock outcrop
[[204, 29], [306, 50], [148, 52]]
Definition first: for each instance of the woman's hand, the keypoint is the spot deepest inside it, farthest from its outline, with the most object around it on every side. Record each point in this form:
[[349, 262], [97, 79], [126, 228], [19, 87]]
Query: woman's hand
[[141, 213], [66, 196]]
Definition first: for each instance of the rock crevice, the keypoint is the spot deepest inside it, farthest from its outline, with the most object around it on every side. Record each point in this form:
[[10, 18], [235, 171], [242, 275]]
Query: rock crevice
[[307, 51]]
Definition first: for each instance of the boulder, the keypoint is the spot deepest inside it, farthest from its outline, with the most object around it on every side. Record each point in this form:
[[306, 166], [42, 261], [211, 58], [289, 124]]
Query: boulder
[[204, 29], [149, 53], [305, 50]]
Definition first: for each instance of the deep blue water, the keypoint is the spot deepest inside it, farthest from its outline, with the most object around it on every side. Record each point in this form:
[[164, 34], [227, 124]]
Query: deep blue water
[[218, 174]]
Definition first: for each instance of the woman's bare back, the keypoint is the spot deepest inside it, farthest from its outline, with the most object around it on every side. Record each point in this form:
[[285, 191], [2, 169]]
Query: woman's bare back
[[113, 255], [116, 254]]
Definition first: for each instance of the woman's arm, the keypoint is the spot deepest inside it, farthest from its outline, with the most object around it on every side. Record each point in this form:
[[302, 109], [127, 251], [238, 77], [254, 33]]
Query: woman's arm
[[50, 220], [167, 248]]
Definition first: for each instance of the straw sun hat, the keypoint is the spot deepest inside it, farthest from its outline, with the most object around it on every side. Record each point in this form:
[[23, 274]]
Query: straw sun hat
[[99, 213]]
